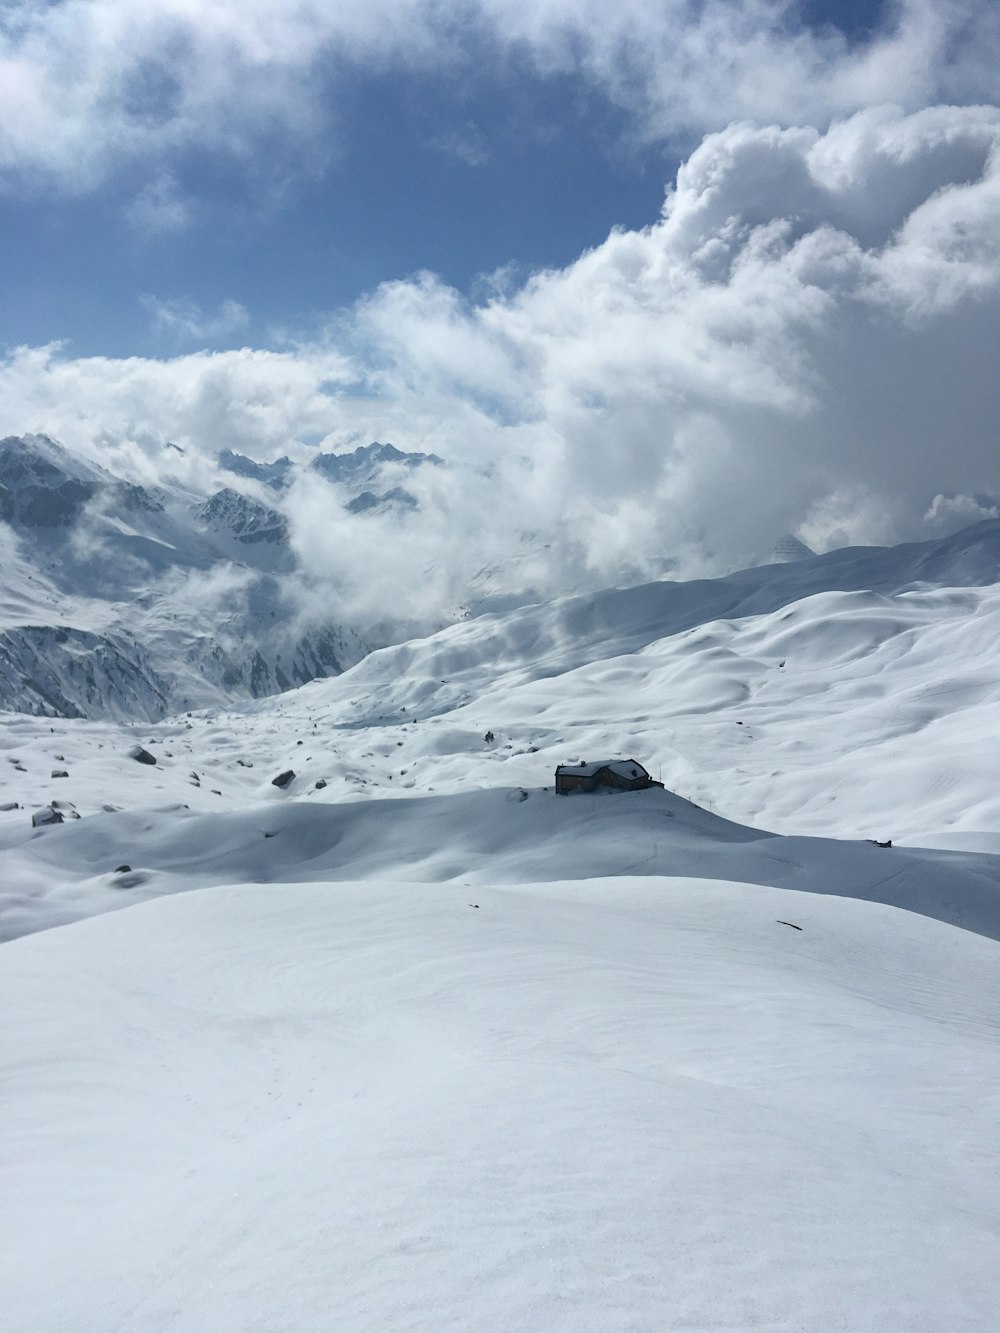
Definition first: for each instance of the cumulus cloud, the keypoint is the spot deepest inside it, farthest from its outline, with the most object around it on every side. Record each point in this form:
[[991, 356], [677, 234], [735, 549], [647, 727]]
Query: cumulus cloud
[[947, 510], [87, 85], [805, 340]]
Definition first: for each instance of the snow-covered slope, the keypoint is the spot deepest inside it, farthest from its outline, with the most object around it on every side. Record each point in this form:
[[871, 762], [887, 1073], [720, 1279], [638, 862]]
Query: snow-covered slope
[[857, 715], [486, 837], [595, 1105], [407, 1041]]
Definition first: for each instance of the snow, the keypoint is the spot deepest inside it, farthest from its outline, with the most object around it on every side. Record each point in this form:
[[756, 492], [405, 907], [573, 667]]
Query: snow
[[582, 1105], [426, 1046]]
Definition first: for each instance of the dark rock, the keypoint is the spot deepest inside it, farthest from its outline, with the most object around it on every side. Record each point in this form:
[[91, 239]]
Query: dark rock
[[59, 773], [319, 785], [122, 870], [47, 816], [141, 756], [284, 779], [10, 805], [395, 498]]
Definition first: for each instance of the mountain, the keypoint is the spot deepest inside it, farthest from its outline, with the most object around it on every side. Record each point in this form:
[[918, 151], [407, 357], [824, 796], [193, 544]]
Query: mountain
[[129, 602], [44, 486], [237, 522], [161, 599], [357, 472], [276, 474], [368, 462], [788, 548]]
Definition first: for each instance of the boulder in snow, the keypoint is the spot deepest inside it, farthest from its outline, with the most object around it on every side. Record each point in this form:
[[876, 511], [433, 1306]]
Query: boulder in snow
[[47, 816]]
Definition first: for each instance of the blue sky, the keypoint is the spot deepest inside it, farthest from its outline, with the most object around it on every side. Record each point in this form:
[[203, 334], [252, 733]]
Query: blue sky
[[458, 180], [460, 170]]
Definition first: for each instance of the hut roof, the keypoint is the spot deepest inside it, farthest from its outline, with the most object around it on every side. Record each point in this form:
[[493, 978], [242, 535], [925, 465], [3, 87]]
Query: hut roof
[[624, 768]]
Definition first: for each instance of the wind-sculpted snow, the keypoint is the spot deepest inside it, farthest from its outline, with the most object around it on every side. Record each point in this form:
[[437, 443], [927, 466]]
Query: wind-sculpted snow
[[637, 1104], [489, 837]]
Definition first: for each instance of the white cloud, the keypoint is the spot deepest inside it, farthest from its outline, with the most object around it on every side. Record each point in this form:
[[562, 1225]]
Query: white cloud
[[947, 510], [806, 339], [88, 85], [184, 319]]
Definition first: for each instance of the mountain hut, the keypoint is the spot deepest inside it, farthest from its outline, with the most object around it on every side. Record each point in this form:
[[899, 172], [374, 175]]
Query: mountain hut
[[623, 774]]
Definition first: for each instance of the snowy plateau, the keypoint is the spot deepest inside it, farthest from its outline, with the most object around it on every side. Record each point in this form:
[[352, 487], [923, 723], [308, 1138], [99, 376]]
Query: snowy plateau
[[408, 1041]]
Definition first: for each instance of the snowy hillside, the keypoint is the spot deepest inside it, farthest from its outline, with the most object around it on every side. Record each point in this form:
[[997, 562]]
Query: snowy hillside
[[594, 1105], [818, 715], [405, 1040]]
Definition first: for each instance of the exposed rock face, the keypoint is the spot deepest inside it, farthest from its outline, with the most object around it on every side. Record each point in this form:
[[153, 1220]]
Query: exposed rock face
[[360, 466], [60, 672], [276, 475], [243, 518], [284, 779], [369, 500], [366, 463], [141, 756]]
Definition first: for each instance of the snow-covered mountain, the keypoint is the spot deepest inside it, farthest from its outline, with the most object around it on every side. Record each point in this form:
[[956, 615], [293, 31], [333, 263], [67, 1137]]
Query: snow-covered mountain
[[125, 601], [324, 1008], [357, 471], [788, 547]]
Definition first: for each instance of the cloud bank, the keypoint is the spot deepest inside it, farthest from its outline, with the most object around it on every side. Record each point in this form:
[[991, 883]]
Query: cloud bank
[[806, 340], [88, 87]]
